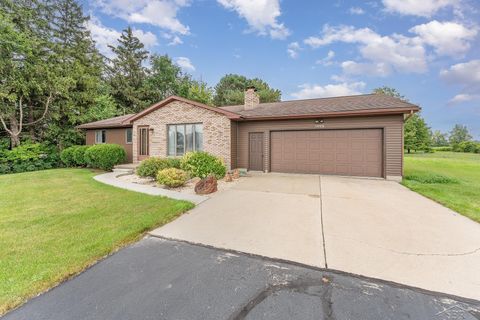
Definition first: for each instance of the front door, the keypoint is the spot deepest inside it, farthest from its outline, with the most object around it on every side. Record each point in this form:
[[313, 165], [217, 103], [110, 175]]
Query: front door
[[143, 143], [255, 151]]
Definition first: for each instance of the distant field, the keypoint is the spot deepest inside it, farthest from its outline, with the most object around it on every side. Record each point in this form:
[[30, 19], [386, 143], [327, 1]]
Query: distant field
[[450, 178]]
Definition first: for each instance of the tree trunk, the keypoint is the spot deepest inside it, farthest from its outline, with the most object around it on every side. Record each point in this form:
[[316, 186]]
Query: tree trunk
[[14, 132], [30, 120], [408, 150]]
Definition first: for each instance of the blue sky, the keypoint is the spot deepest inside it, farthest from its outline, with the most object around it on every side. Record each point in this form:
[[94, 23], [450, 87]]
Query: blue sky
[[429, 50]]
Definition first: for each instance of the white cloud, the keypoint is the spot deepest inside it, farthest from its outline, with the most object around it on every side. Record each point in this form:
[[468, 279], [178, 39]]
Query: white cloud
[[308, 91], [293, 49], [147, 38], [466, 75], [160, 13], [372, 69], [356, 11], [105, 36], [448, 38], [185, 63], [173, 39], [401, 53], [327, 61], [464, 97], [423, 8], [261, 15]]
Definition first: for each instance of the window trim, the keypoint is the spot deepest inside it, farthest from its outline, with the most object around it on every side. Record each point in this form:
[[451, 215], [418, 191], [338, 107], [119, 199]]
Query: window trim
[[185, 138], [126, 136], [103, 134]]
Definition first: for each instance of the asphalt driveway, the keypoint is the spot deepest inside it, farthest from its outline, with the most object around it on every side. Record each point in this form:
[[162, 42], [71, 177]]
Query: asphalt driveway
[[369, 227], [158, 279]]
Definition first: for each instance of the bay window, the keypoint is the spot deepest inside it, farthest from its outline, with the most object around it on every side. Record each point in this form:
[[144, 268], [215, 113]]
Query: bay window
[[183, 138]]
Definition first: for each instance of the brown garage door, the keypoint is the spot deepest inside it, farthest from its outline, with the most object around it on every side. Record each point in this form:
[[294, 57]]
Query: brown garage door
[[355, 152]]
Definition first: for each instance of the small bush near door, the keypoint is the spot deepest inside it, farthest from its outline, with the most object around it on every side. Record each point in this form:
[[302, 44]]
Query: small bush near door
[[151, 166], [105, 156], [172, 177], [202, 164]]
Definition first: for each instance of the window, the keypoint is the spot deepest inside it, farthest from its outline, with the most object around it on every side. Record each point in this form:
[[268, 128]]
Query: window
[[128, 135], [100, 136], [184, 138], [143, 143]]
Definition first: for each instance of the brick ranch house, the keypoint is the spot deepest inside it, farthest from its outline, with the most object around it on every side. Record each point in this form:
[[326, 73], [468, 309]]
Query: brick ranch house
[[358, 135]]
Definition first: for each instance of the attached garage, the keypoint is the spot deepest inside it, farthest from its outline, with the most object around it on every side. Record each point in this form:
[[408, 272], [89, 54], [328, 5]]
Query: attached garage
[[348, 136], [351, 152]]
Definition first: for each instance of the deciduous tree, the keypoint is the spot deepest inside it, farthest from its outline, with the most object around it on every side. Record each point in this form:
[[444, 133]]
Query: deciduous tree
[[230, 90]]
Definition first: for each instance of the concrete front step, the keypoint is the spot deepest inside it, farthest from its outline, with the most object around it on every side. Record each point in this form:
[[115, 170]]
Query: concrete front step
[[123, 170], [132, 166]]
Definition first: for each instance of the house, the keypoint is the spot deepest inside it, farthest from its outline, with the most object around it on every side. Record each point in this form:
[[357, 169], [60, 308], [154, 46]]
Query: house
[[359, 135]]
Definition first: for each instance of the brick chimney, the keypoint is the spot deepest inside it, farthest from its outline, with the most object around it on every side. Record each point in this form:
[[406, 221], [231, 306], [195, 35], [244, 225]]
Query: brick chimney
[[251, 98]]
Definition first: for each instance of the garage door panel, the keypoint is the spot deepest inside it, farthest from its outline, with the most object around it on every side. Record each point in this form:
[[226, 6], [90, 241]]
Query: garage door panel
[[357, 152]]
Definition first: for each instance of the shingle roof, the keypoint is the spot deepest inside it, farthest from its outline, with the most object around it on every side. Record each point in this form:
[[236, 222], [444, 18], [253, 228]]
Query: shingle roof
[[116, 122], [358, 104]]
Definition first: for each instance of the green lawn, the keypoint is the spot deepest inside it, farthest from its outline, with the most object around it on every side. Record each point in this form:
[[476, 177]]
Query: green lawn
[[55, 223], [450, 178]]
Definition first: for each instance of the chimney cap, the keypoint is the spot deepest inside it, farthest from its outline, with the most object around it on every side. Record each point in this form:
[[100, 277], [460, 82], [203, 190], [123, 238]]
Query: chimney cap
[[251, 87]]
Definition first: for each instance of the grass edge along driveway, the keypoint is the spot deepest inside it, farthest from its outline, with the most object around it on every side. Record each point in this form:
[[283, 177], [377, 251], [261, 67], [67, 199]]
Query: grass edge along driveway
[[55, 223], [450, 178]]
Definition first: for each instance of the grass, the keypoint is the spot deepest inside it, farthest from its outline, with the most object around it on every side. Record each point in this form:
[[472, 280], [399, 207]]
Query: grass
[[450, 178], [55, 223]]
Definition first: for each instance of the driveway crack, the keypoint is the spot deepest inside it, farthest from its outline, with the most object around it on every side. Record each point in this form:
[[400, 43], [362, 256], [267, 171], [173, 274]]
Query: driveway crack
[[321, 219]]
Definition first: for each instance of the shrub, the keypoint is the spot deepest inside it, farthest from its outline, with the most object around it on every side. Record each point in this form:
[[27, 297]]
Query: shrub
[[105, 156], [448, 148], [467, 146], [79, 155], [67, 156], [202, 164], [431, 178], [150, 167], [28, 157], [172, 177]]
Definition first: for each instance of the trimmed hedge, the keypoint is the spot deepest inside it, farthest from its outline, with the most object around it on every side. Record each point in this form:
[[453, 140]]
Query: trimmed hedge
[[105, 156], [67, 156], [28, 157], [79, 155], [202, 164], [172, 177]]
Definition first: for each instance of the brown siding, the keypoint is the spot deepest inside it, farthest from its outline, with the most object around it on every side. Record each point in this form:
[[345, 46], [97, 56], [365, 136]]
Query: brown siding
[[392, 125], [117, 136]]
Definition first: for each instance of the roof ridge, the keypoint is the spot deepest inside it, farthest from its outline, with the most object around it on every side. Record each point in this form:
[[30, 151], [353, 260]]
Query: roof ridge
[[309, 99]]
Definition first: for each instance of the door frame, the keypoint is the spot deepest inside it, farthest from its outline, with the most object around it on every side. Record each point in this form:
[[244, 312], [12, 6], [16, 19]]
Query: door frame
[[263, 149], [139, 128]]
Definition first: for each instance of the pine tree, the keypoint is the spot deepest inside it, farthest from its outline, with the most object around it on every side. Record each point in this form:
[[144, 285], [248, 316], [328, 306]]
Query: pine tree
[[28, 83], [127, 73], [80, 64]]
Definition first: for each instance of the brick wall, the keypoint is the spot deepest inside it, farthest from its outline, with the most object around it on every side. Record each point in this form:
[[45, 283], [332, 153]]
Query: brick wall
[[216, 129]]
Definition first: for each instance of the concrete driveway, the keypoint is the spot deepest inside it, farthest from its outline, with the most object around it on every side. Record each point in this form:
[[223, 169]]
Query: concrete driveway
[[369, 227]]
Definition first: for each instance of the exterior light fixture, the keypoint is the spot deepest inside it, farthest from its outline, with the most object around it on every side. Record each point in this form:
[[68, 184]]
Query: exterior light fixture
[[319, 121]]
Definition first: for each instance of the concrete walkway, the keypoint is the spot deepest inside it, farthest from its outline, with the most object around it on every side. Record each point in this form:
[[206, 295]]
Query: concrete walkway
[[111, 178], [374, 228]]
